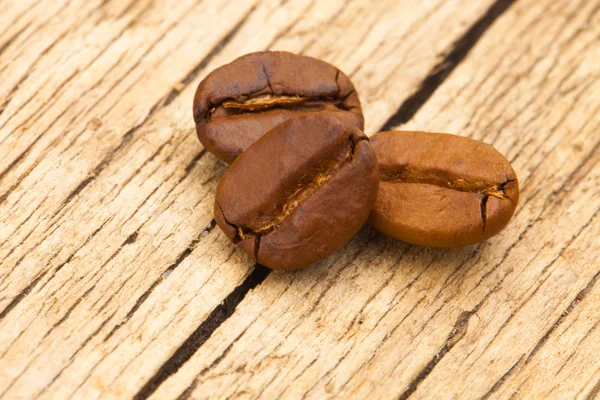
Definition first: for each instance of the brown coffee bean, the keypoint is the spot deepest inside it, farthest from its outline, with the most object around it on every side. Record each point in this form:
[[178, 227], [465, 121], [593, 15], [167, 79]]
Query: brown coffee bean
[[441, 190], [300, 192], [239, 102]]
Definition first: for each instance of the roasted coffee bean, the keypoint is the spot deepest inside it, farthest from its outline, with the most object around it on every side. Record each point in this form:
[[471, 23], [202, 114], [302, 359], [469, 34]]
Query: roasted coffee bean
[[239, 102], [441, 190], [300, 192]]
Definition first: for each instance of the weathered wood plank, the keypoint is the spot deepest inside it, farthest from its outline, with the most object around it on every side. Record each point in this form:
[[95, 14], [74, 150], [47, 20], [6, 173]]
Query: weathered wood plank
[[65, 286], [382, 319], [564, 363], [72, 151], [548, 87], [123, 192]]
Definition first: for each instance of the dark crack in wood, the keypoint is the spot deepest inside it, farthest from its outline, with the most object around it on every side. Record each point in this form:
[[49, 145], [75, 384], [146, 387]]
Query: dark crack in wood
[[180, 258], [456, 334], [442, 70], [502, 379], [193, 74], [18, 298], [204, 331], [580, 296]]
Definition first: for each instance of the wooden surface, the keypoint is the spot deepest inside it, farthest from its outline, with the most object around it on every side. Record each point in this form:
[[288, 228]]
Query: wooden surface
[[115, 283]]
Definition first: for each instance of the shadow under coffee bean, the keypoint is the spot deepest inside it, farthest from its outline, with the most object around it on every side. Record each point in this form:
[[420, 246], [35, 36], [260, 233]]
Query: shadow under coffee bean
[[239, 102], [300, 192]]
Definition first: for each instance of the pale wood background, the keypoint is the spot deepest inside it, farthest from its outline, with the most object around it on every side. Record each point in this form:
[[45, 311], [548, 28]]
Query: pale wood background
[[115, 283]]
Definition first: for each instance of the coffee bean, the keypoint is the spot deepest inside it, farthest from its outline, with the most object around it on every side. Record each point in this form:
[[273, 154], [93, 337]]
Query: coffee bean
[[441, 190], [300, 192], [239, 102]]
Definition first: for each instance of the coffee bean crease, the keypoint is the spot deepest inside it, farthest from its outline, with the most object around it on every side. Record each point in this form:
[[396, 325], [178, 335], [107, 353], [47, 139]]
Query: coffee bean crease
[[407, 175], [238, 103], [321, 176], [262, 100]]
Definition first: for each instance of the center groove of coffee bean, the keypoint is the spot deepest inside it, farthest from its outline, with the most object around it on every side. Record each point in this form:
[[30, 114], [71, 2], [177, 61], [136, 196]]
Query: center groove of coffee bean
[[268, 101], [299, 196], [406, 175], [296, 198]]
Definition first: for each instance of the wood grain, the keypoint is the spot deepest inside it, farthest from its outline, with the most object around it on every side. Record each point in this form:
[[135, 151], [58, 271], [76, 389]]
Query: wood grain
[[386, 320], [115, 283]]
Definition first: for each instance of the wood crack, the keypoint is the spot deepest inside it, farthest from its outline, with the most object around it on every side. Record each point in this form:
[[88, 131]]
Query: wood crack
[[44, 53], [502, 379], [442, 70], [30, 287], [285, 31], [580, 296], [2, 49], [72, 358], [204, 331], [63, 319], [456, 334], [189, 390], [22, 155], [353, 341], [127, 137], [180, 258], [18, 298], [193, 74], [594, 392], [562, 317], [28, 149]]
